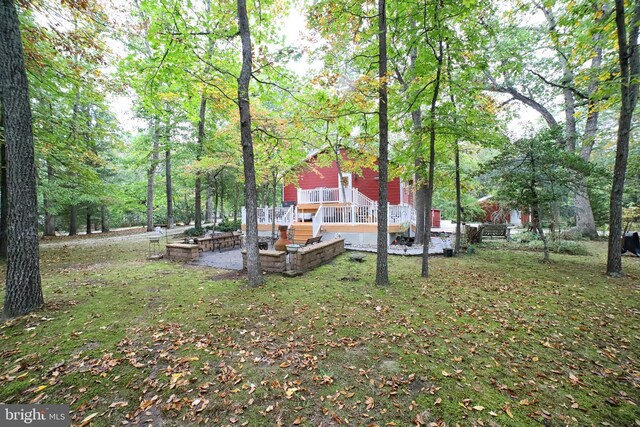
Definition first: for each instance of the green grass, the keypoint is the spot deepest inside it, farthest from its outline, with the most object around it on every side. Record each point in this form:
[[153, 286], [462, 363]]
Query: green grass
[[495, 338]]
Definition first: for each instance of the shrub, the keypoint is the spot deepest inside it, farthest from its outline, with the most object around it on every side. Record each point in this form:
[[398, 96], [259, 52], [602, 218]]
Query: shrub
[[572, 234], [194, 232], [559, 247], [526, 237], [569, 248], [229, 225]]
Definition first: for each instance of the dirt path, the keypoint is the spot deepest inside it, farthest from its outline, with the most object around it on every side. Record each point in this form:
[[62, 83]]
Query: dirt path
[[99, 239]]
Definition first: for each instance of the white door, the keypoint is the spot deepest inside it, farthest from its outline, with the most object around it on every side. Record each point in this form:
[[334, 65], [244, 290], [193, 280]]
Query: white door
[[344, 186]]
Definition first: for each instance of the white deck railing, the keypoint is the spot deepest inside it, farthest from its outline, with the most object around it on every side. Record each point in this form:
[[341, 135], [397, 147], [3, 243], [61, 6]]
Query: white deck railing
[[319, 195], [349, 214], [338, 215], [334, 195], [400, 214], [284, 216]]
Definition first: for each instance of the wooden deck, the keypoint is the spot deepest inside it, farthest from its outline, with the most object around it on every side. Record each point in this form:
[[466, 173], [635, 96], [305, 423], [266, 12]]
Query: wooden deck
[[303, 230]]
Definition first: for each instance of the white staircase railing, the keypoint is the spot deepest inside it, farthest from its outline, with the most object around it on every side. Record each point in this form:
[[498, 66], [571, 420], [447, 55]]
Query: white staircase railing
[[317, 221], [360, 199]]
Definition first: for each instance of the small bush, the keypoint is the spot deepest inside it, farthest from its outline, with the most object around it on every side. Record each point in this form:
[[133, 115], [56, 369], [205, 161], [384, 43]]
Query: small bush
[[559, 247], [194, 232], [526, 237], [572, 234], [228, 225], [569, 248]]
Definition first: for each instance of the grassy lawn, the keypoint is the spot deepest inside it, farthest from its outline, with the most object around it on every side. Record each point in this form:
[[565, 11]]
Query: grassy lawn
[[492, 339]]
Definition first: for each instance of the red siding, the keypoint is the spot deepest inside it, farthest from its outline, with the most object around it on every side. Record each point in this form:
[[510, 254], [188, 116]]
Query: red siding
[[327, 176], [435, 218], [290, 193]]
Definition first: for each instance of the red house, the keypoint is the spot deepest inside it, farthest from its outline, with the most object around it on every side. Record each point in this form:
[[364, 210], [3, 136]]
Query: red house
[[325, 200]]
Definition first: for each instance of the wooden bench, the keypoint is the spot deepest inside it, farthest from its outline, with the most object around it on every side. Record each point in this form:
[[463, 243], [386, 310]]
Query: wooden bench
[[496, 230], [313, 240]]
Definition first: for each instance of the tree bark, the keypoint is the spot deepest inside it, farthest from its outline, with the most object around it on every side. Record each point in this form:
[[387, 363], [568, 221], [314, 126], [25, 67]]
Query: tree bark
[[629, 58], [88, 220], [215, 203], [4, 197], [236, 202], [254, 269], [73, 220], [49, 219], [537, 225], [432, 148], [151, 173], [585, 222], [23, 292], [458, 196], [221, 197], [420, 185], [104, 219], [167, 158], [382, 266], [208, 214], [201, 134], [274, 184]]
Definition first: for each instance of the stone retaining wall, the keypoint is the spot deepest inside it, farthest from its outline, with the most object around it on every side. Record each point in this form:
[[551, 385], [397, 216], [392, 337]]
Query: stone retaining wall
[[309, 257], [270, 261], [182, 252], [306, 259]]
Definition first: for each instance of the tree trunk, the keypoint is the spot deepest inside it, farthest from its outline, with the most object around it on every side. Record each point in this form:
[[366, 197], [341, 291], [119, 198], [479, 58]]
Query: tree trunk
[[88, 220], [209, 204], [420, 197], [215, 203], [585, 222], [221, 197], [432, 148], [458, 197], [4, 196], [49, 219], [537, 225], [273, 208], [73, 220], [198, 189], [236, 202], [382, 267], [629, 57], [420, 185], [151, 174], [170, 220], [250, 196], [104, 219], [23, 292]]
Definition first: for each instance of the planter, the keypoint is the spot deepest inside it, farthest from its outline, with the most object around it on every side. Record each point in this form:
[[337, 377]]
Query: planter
[[283, 241]]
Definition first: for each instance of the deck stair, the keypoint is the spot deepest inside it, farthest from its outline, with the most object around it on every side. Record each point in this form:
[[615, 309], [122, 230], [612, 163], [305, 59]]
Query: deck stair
[[302, 231]]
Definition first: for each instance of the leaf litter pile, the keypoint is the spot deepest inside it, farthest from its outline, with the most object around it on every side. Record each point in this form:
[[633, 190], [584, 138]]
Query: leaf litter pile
[[491, 339]]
